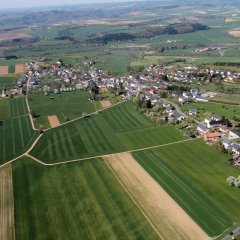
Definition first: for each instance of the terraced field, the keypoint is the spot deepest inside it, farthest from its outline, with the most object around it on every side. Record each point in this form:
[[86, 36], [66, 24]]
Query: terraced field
[[195, 175], [74, 201], [97, 135], [16, 135]]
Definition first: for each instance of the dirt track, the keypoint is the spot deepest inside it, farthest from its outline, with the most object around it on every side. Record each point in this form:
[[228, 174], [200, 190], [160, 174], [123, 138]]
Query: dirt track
[[106, 103], [53, 120], [166, 216], [6, 204]]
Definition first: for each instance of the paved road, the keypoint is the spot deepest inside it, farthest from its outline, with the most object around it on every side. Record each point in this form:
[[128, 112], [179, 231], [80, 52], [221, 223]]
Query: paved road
[[235, 232], [180, 111]]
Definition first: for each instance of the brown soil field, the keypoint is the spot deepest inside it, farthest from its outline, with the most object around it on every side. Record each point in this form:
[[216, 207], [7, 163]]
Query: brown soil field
[[7, 230], [106, 103], [3, 70], [9, 36], [235, 32], [165, 215], [53, 120], [20, 68]]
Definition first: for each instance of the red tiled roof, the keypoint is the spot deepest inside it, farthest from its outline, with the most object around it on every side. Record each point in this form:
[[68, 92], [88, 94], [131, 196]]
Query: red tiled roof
[[213, 134]]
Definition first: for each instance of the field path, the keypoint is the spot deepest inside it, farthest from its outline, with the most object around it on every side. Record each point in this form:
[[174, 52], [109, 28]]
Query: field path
[[7, 230], [167, 217]]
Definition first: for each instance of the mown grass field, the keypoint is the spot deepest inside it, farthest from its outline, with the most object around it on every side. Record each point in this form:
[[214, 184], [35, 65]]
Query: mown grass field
[[195, 176], [16, 135], [99, 135], [207, 109], [68, 105], [18, 107], [5, 112], [74, 201]]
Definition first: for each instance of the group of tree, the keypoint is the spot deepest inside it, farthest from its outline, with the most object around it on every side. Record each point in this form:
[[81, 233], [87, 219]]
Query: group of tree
[[234, 181]]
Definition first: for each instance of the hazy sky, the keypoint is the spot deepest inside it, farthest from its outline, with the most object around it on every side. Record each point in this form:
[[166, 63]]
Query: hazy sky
[[31, 3]]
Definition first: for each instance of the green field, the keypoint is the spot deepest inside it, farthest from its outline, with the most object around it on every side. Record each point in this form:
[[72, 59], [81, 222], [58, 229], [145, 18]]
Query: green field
[[206, 109], [7, 81], [16, 135], [98, 135], [5, 112], [18, 107], [67, 105], [194, 174], [74, 201]]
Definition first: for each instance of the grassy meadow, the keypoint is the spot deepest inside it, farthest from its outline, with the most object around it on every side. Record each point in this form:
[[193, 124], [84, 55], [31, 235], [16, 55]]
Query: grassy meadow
[[207, 109], [74, 201], [67, 105], [5, 111], [7, 81], [194, 175], [100, 134]]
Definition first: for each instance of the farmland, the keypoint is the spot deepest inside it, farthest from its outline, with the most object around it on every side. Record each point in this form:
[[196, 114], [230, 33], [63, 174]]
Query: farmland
[[66, 106], [195, 175], [18, 107], [7, 81], [5, 111], [16, 135], [207, 109], [6, 204], [74, 201], [98, 135], [156, 204]]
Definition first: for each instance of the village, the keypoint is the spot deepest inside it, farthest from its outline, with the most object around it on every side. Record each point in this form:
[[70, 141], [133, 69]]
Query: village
[[156, 92]]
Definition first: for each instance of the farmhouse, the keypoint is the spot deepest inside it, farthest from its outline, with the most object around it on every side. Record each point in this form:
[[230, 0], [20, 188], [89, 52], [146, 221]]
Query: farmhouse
[[193, 111], [234, 134], [213, 121], [202, 129], [212, 136]]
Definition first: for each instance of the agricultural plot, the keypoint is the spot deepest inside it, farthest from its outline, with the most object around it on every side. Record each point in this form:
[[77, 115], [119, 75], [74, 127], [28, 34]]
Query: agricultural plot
[[125, 117], [6, 204], [207, 109], [74, 201], [7, 81], [65, 106], [5, 112], [160, 209], [16, 135], [150, 137], [18, 107], [100, 134], [194, 175]]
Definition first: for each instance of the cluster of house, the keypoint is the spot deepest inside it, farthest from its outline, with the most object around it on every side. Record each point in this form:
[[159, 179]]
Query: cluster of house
[[221, 133], [191, 74], [192, 96]]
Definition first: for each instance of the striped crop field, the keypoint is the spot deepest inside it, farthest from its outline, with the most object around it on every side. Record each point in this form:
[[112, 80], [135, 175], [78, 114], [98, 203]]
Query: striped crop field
[[97, 135], [18, 107], [74, 201], [194, 175], [125, 117], [16, 135]]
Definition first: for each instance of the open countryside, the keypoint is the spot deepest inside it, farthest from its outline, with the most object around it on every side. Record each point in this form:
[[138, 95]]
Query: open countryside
[[120, 120]]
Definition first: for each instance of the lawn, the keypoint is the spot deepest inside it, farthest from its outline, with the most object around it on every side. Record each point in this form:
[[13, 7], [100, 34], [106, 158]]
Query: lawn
[[100, 134], [4, 109], [74, 201], [16, 135], [207, 109], [7, 81], [66, 106], [195, 176]]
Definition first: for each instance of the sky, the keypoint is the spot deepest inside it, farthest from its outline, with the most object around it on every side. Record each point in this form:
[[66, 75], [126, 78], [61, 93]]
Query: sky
[[37, 3]]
